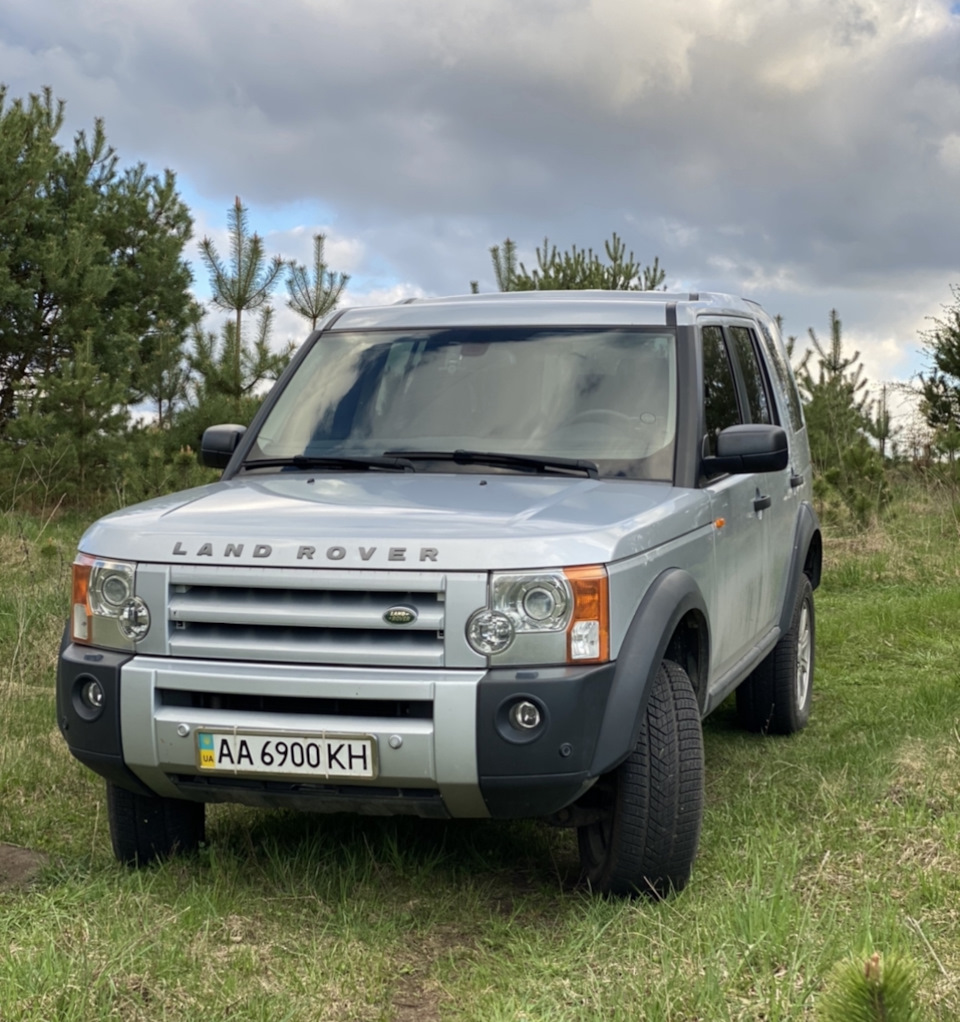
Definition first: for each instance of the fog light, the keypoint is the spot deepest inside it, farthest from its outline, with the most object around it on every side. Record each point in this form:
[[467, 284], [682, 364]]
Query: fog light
[[91, 695], [524, 715]]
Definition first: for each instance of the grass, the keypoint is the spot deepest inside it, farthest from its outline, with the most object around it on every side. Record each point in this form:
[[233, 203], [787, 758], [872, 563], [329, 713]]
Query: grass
[[842, 840]]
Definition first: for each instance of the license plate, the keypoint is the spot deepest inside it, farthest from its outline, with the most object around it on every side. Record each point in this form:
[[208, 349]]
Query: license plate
[[290, 755]]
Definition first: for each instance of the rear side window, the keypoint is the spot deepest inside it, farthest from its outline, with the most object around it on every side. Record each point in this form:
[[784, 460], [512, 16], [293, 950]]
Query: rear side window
[[758, 400], [719, 391], [777, 360]]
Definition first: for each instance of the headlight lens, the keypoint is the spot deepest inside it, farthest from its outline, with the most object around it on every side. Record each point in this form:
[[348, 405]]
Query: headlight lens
[[111, 585], [544, 617], [106, 611], [534, 603]]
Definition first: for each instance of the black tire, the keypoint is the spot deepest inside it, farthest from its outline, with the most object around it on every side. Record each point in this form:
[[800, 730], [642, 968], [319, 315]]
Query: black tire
[[652, 804], [776, 698], [144, 829]]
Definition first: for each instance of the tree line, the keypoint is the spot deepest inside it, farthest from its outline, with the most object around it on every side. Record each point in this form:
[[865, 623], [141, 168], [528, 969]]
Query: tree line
[[97, 319]]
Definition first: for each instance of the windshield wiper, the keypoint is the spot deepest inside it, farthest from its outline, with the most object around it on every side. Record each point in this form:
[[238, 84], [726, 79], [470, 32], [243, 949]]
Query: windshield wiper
[[390, 464], [539, 463]]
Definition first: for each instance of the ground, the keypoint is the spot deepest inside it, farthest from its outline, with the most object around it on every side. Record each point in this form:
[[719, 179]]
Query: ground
[[18, 866]]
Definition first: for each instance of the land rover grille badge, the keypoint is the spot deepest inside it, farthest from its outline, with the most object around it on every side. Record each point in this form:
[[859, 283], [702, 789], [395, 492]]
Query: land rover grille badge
[[400, 616]]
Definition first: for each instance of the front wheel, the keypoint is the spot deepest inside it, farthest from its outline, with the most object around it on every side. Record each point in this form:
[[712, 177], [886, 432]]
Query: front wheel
[[776, 698], [646, 837], [145, 828]]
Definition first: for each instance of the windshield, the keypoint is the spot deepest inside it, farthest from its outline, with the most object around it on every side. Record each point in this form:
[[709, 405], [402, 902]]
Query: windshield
[[607, 396]]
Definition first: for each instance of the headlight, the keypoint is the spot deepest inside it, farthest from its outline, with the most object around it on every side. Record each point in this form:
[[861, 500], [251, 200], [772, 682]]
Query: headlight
[[105, 609], [489, 632], [534, 603], [552, 617]]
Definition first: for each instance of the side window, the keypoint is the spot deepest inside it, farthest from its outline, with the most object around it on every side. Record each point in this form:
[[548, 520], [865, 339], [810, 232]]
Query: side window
[[776, 357], [719, 391], [758, 400]]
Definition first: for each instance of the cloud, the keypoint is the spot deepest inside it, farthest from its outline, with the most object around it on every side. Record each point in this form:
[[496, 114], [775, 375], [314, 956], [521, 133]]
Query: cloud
[[804, 151]]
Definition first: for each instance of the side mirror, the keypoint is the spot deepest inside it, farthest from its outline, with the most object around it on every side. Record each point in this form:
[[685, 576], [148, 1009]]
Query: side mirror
[[753, 447], [219, 443]]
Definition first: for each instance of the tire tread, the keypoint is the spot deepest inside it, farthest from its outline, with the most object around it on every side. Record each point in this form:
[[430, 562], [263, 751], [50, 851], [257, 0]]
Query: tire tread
[[144, 829], [765, 700], [659, 798]]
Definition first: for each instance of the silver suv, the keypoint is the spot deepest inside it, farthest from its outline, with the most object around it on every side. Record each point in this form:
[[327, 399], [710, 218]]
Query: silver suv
[[486, 556]]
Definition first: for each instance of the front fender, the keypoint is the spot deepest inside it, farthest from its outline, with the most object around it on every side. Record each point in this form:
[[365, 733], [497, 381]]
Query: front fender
[[672, 595]]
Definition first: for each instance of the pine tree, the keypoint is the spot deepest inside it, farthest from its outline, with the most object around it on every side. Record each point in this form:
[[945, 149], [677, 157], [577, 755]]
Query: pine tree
[[505, 265], [875, 990], [837, 403], [164, 373], [88, 252], [246, 283], [72, 428], [217, 393], [881, 423], [573, 270], [314, 297], [838, 409], [940, 388]]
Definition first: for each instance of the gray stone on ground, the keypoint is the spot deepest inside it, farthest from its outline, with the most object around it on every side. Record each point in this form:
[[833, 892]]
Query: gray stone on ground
[[18, 866]]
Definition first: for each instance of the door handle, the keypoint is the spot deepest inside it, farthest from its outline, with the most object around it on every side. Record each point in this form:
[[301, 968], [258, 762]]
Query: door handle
[[795, 481], [761, 502]]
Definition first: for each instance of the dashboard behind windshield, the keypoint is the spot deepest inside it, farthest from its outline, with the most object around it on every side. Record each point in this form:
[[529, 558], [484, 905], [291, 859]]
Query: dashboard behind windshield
[[607, 395]]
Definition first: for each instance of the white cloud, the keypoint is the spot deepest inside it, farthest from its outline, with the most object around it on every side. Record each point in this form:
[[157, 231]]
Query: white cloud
[[383, 295], [802, 151], [950, 153]]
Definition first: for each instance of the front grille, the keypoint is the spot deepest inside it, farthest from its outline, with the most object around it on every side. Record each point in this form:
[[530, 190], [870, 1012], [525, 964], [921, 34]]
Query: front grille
[[407, 709], [304, 616]]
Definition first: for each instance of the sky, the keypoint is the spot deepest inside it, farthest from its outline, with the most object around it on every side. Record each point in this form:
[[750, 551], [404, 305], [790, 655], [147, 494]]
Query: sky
[[804, 153]]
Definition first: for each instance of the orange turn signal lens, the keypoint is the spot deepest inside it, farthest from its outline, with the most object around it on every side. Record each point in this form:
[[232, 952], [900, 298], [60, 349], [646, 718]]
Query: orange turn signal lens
[[80, 613], [588, 634]]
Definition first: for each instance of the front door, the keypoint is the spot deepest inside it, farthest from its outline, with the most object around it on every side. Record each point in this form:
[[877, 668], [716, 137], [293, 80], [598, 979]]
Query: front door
[[740, 604]]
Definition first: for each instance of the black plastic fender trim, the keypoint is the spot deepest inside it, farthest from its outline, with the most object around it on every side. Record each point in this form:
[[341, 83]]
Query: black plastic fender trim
[[531, 796], [571, 701], [808, 526], [113, 769], [672, 595], [94, 740]]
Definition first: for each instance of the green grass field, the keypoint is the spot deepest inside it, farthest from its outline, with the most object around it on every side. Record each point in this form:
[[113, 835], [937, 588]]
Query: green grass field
[[841, 840]]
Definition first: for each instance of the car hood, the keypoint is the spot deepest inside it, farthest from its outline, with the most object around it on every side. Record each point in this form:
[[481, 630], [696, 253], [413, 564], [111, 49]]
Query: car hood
[[409, 521]]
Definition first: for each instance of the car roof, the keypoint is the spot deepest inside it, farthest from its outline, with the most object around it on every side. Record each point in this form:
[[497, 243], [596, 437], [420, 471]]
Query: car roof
[[532, 308]]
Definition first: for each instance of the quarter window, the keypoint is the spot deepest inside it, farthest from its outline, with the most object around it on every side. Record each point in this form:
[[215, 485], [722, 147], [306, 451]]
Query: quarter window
[[777, 359]]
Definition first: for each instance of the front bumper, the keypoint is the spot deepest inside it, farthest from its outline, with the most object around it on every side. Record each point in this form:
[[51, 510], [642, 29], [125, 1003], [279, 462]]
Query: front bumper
[[444, 743]]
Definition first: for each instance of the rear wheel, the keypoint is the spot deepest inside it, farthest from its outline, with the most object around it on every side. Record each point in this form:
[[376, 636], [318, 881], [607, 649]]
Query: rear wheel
[[646, 838], [145, 828], [776, 698]]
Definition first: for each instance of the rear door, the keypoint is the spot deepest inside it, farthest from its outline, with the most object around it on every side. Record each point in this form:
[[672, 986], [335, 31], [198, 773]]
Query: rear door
[[798, 480]]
